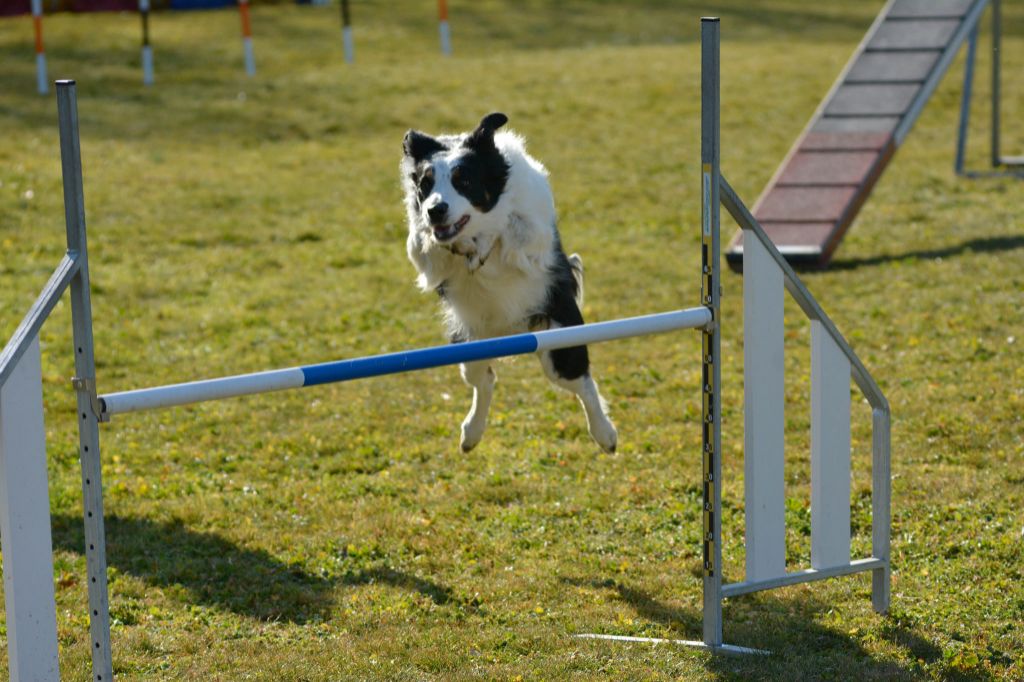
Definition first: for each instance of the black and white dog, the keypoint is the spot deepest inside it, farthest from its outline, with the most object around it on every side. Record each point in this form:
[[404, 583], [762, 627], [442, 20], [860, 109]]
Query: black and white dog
[[482, 235]]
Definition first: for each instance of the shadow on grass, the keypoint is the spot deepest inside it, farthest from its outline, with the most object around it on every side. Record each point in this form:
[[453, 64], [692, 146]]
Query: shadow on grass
[[788, 628], [979, 245], [219, 573], [211, 569], [438, 594]]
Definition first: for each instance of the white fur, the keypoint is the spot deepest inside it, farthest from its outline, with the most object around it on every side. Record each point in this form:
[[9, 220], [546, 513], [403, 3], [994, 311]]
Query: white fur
[[496, 269], [496, 272]]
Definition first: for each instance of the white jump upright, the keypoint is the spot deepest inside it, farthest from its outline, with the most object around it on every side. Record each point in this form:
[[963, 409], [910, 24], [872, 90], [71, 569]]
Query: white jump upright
[[25, 522], [28, 566], [764, 418]]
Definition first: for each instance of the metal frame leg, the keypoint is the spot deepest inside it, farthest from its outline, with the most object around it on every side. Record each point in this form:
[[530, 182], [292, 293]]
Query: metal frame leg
[[965, 103], [85, 384], [712, 339]]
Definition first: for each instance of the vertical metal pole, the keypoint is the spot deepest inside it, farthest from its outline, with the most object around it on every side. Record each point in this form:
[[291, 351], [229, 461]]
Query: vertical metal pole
[[997, 39], [445, 31], [712, 343], [42, 83], [147, 49], [250, 56], [346, 33], [85, 384], [965, 102], [881, 494]]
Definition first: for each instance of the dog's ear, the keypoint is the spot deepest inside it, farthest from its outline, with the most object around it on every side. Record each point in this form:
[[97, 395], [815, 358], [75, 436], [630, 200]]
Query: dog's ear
[[419, 146], [483, 136]]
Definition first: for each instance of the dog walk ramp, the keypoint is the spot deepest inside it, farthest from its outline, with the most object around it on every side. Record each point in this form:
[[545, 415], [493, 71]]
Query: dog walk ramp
[[816, 192]]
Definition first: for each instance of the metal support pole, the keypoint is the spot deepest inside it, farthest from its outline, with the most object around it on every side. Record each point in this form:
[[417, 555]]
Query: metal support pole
[[997, 39], [965, 102], [37, 24], [85, 384], [445, 31], [712, 341], [250, 56], [147, 49], [881, 494], [346, 33]]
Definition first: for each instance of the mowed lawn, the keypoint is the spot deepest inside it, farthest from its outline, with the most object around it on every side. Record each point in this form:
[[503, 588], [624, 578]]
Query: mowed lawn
[[239, 224]]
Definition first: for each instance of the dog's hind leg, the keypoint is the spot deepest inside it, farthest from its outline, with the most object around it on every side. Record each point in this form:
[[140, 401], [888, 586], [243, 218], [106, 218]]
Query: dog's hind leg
[[481, 377], [569, 368]]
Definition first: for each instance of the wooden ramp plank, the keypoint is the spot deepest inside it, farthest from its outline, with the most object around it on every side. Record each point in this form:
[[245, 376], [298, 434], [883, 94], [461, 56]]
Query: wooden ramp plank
[[814, 168], [822, 141], [913, 35], [929, 8], [805, 204], [872, 100], [892, 67], [856, 124]]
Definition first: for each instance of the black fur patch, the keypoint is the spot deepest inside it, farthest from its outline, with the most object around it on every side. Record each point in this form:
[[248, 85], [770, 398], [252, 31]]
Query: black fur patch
[[419, 146], [560, 307], [481, 174]]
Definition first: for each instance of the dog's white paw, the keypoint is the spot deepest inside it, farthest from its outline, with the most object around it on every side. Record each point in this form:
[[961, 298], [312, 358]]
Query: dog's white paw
[[603, 431], [472, 433]]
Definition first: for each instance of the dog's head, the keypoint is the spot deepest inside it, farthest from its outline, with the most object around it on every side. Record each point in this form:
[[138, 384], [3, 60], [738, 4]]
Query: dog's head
[[454, 182]]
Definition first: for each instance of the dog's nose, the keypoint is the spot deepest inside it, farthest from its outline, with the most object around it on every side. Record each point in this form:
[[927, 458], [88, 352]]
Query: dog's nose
[[437, 212]]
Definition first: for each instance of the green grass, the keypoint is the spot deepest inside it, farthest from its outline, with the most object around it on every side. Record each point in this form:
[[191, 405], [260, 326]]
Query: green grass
[[338, 533]]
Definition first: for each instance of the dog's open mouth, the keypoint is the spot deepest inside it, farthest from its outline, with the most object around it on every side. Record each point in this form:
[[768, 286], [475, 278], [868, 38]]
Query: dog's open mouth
[[445, 232]]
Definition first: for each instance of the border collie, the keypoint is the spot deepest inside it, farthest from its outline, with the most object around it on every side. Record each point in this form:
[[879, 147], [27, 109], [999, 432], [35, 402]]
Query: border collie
[[482, 235]]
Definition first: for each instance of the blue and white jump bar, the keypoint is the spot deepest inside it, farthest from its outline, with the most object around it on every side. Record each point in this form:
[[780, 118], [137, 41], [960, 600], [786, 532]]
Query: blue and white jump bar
[[404, 361]]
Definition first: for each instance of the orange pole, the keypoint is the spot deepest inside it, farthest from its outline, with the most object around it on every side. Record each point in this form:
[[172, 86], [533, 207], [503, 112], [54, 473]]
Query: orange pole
[[442, 10], [38, 22], [243, 10]]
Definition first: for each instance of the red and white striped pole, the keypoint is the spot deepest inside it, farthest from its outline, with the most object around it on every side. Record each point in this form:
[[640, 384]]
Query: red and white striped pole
[[446, 36], [250, 57], [37, 21]]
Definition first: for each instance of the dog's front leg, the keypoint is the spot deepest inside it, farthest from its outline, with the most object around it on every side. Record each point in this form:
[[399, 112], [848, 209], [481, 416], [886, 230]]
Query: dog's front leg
[[483, 245], [481, 377]]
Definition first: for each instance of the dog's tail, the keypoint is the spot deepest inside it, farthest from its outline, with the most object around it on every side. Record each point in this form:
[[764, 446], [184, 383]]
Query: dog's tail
[[576, 263]]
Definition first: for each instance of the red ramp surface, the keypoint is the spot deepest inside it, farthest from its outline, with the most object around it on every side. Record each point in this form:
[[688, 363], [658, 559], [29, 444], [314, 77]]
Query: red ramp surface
[[817, 191]]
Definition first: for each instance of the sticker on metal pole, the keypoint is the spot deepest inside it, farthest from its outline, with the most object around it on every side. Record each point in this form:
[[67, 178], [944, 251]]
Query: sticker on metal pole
[[707, 200]]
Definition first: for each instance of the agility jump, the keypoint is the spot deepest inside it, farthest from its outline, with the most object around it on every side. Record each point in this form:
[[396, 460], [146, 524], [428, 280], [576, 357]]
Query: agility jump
[[24, 507]]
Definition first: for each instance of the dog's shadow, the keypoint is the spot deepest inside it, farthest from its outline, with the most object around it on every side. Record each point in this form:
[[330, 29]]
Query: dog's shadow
[[217, 572]]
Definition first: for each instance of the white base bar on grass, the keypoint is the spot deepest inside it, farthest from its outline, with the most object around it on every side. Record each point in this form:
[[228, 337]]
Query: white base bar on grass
[[723, 648]]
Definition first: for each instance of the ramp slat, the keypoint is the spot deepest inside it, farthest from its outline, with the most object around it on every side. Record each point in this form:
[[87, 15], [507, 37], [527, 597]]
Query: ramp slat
[[914, 35], [890, 67], [856, 124], [815, 141], [872, 100], [818, 168], [930, 8], [806, 204]]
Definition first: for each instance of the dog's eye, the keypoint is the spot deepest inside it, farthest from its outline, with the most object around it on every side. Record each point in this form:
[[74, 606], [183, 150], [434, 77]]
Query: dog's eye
[[459, 181]]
